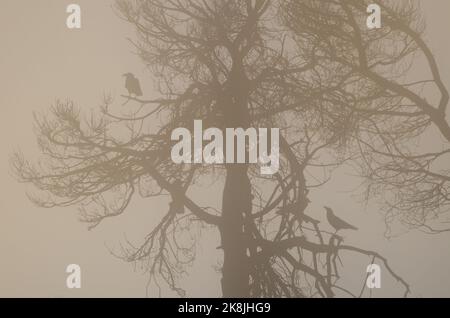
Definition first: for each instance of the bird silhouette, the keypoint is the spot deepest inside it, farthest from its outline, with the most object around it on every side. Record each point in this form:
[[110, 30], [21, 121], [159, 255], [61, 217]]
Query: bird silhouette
[[132, 85], [336, 222]]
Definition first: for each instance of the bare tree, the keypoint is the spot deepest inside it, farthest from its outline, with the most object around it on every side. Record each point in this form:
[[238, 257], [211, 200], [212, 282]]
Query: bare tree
[[309, 67]]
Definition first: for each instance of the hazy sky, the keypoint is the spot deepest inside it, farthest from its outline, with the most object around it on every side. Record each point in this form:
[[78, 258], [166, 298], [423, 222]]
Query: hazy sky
[[40, 61]]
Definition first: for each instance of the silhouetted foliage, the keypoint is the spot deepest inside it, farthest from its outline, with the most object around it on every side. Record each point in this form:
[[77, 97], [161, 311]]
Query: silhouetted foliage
[[339, 93]]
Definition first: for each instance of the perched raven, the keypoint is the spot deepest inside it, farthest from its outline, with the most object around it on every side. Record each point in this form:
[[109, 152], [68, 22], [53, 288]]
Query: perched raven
[[336, 222], [132, 85]]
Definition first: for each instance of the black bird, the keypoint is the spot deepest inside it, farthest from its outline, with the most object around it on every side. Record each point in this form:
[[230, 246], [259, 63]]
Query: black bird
[[132, 85], [338, 223]]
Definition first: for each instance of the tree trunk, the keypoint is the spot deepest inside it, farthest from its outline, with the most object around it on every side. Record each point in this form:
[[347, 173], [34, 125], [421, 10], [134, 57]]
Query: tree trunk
[[237, 197], [236, 204]]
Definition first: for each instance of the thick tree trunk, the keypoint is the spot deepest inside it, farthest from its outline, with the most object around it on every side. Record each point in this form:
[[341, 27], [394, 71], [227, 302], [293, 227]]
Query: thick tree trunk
[[236, 204], [237, 197]]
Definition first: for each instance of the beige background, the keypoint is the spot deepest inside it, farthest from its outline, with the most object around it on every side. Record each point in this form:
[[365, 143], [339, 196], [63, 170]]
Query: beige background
[[41, 60]]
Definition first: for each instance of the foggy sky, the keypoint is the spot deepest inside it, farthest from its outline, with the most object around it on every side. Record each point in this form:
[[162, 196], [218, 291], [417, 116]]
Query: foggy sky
[[40, 61]]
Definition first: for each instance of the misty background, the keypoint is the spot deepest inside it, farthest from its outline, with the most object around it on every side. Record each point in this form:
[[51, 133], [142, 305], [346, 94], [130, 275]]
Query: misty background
[[41, 60]]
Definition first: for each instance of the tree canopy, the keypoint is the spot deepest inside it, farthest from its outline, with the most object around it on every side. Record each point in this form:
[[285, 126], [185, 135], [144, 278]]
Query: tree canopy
[[341, 95]]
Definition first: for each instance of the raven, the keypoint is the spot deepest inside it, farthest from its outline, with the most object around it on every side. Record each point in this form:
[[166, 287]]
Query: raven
[[132, 85], [336, 222]]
